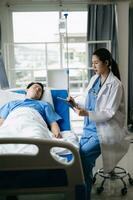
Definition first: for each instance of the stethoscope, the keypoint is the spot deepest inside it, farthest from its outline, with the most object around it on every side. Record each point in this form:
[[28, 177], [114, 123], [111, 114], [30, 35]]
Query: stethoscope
[[95, 93]]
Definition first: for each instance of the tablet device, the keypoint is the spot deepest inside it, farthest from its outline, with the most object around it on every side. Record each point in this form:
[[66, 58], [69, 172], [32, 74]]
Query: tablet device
[[66, 101]]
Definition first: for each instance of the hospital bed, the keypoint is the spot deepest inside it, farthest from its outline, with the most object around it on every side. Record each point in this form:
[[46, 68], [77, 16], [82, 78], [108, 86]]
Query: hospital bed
[[43, 172]]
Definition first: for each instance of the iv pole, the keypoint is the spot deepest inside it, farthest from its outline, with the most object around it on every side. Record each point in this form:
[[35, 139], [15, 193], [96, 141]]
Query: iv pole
[[67, 56]]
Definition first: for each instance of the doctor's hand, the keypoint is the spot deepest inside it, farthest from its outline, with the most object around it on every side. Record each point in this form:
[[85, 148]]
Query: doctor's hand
[[81, 111], [71, 101]]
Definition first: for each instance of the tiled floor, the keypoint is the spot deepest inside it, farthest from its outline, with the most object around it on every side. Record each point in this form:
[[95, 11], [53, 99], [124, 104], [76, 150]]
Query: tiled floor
[[103, 196], [112, 191]]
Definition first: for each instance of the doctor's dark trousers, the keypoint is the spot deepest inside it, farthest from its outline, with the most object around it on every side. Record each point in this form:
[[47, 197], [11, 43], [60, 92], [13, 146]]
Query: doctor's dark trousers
[[89, 151]]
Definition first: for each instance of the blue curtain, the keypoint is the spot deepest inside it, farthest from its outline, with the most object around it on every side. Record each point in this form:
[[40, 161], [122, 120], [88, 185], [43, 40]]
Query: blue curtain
[[130, 69], [102, 26]]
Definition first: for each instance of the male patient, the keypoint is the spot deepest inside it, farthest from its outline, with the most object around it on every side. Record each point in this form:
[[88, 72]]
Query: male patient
[[33, 100]]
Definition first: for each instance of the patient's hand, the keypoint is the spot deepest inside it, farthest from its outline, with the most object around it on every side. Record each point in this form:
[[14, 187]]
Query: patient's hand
[[55, 130], [58, 135], [1, 121]]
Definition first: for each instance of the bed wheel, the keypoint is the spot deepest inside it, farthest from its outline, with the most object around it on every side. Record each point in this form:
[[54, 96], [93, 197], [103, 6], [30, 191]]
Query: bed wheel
[[100, 190], [131, 181], [124, 191]]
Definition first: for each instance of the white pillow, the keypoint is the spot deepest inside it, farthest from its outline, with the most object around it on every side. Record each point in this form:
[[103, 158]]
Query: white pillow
[[47, 96], [7, 96]]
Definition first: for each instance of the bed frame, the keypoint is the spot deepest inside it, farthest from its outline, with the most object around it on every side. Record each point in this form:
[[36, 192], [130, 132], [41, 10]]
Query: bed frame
[[41, 173]]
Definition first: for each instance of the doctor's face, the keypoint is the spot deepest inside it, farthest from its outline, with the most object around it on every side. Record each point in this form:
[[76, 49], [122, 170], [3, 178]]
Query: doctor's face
[[99, 66], [34, 92]]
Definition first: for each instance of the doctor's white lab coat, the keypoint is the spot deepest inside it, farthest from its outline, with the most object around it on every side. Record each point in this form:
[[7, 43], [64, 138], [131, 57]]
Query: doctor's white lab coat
[[109, 116]]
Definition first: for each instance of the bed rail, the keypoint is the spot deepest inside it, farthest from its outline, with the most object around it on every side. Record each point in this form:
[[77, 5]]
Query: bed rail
[[41, 172]]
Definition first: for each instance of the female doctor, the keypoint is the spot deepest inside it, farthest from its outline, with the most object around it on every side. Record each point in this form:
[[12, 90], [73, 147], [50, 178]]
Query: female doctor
[[104, 117]]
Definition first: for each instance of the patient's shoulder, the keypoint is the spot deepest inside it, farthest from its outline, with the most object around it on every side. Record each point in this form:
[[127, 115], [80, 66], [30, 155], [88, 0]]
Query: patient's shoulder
[[11, 104]]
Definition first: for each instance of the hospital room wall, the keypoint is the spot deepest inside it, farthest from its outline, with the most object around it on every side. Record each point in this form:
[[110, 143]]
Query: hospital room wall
[[123, 22]]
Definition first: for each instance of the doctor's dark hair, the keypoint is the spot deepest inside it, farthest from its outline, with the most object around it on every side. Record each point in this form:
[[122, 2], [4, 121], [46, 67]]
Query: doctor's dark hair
[[104, 55], [38, 83]]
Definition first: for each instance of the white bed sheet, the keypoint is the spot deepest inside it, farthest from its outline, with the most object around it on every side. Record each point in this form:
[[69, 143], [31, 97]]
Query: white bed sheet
[[28, 123]]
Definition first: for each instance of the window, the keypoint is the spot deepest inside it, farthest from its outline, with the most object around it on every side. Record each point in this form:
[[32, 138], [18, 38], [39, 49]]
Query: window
[[39, 45], [35, 27]]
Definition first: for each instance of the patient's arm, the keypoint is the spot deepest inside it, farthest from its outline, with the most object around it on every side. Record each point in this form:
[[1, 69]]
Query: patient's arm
[[55, 129], [1, 121]]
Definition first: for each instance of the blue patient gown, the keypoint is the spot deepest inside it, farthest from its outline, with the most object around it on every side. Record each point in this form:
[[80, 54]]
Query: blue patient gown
[[89, 143]]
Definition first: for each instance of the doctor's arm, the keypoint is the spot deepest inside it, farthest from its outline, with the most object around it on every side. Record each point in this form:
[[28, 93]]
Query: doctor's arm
[[107, 113], [114, 100]]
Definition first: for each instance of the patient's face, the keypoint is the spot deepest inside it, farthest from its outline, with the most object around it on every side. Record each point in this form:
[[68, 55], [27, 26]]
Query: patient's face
[[34, 92]]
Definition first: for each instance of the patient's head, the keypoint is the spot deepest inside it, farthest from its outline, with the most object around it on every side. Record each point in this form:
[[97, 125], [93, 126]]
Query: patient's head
[[35, 90]]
